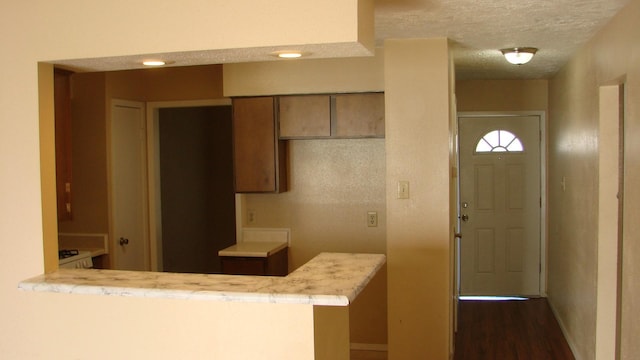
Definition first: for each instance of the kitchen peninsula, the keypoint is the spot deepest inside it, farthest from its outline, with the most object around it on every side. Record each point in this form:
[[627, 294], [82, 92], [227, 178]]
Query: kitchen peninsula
[[331, 279], [319, 292]]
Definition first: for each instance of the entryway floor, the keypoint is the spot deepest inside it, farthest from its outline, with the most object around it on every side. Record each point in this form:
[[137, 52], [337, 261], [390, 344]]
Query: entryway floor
[[508, 330]]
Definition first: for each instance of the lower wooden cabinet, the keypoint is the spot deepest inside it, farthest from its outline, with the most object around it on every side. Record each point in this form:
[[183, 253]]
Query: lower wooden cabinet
[[276, 264]]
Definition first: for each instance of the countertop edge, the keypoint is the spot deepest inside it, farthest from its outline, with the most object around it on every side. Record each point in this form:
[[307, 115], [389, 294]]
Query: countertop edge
[[324, 300], [234, 251], [367, 279], [280, 290]]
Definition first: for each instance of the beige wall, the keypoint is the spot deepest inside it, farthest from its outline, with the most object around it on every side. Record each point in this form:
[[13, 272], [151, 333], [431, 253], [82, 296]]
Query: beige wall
[[116, 327], [502, 95], [332, 183], [186, 330], [71, 29], [306, 76], [46, 127], [417, 99], [611, 57], [418, 315], [166, 84], [91, 96], [89, 156]]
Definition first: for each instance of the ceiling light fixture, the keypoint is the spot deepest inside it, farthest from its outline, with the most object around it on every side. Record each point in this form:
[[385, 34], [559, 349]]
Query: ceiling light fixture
[[288, 54], [519, 55], [153, 63]]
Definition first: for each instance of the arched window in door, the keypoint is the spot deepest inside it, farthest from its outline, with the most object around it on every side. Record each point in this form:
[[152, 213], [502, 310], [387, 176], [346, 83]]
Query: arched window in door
[[499, 141]]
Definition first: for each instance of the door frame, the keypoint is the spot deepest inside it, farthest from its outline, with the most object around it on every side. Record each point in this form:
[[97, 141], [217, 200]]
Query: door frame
[[153, 169], [543, 189], [611, 158], [145, 195]]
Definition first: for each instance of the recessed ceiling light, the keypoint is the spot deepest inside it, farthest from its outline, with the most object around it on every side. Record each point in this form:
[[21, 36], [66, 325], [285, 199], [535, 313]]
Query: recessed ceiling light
[[287, 54], [153, 63], [290, 55]]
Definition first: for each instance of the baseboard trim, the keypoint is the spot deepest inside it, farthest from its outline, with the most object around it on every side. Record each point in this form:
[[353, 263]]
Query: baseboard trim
[[563, 329], [368, 347]]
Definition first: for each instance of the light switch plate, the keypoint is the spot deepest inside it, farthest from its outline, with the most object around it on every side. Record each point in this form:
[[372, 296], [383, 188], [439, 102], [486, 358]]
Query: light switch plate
[[403, 189]]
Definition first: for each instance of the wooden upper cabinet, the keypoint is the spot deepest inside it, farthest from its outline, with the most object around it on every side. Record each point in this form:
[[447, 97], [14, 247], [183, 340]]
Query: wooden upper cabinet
[[259, 157], [305, 116], [342, 116], [359, 115]]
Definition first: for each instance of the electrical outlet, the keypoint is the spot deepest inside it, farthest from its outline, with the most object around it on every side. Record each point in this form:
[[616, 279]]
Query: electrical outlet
[[251, 216], [372, 219]]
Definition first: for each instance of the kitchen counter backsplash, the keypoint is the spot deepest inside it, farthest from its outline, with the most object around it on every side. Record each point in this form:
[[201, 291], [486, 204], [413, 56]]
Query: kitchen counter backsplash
[[331, 279]]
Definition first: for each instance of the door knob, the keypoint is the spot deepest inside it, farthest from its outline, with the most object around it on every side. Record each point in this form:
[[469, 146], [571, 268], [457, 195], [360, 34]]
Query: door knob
[[465, 217], [124, 241]]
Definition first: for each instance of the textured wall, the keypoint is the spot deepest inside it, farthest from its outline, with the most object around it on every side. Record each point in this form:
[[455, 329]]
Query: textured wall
[[333, 183], [502, 95], [40, 31], [613, 56], [89, 156], [417, 95]]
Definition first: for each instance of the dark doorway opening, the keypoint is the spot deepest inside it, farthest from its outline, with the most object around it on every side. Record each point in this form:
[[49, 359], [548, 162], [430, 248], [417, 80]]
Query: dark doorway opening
[[197, 193]]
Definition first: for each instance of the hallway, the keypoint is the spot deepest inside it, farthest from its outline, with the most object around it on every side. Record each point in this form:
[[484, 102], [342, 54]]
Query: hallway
[[509, 330]]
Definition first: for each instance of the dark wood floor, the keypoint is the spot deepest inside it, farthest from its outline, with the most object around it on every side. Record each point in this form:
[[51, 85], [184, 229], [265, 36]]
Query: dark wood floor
[[506, 330]]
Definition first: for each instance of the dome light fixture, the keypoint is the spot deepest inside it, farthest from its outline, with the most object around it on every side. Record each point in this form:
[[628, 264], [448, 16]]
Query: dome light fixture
[[519, 55]]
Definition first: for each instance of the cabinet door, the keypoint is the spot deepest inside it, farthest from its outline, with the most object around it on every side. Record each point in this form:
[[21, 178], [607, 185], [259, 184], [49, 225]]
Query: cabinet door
[[274, 265], [305, 116], [244, 265], [359, 115], [259, 158]]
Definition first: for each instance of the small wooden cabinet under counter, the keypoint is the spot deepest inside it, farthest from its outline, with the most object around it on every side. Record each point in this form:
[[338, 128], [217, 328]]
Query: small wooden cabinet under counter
[[255, 258]]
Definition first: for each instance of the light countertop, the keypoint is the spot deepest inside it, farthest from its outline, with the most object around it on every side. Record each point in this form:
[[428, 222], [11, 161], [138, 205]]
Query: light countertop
[[330, 279], [253, 249]]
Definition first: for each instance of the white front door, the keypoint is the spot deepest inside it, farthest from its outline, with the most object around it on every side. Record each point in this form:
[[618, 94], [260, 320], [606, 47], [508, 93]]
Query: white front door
[[500, 205], [130, 245]]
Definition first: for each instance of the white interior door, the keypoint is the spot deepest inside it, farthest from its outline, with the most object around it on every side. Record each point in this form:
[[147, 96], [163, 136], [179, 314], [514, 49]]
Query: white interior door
[[500, 205], [128, 186]]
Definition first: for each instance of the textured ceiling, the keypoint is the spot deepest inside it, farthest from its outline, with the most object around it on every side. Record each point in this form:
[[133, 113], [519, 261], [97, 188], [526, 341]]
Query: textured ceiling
[[480, 28], [477, 29]]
